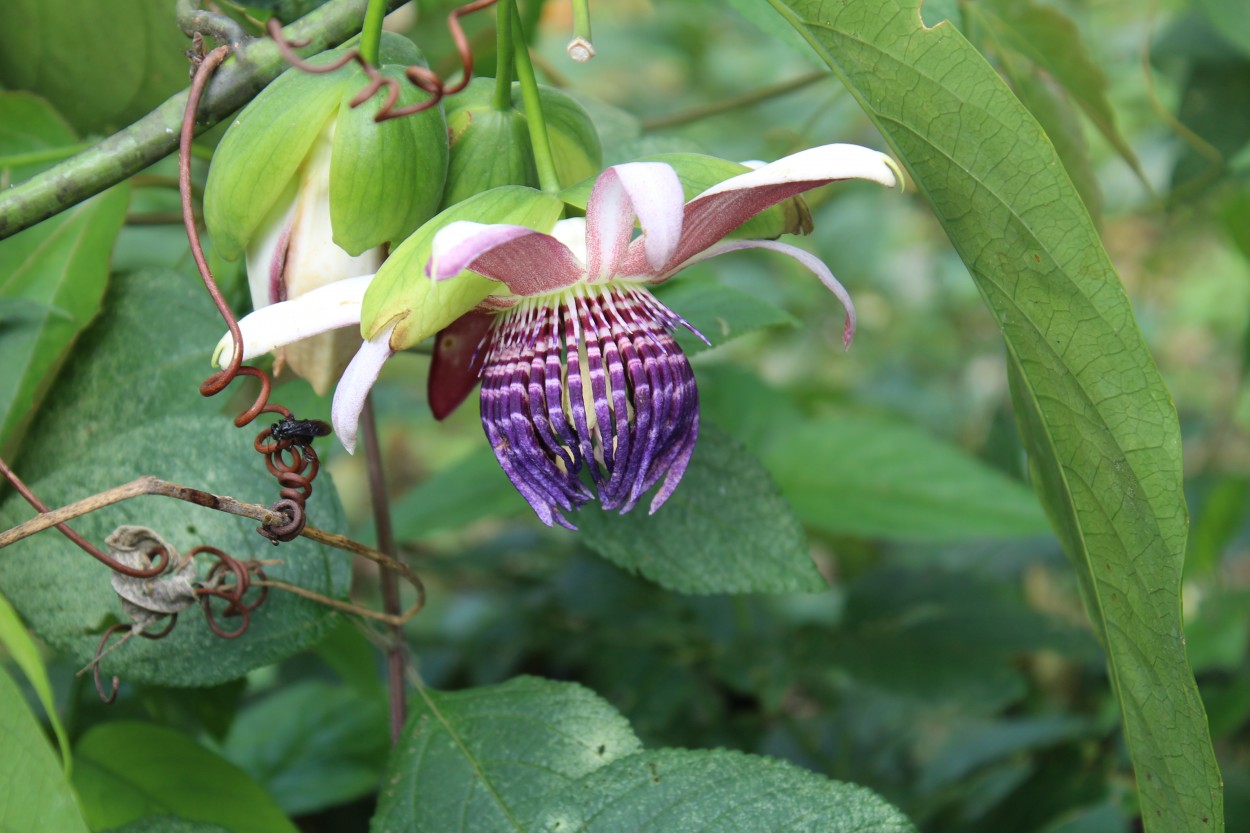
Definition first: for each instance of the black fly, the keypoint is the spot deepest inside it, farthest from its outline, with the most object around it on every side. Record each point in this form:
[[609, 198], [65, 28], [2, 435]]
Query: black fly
[[300, 432]]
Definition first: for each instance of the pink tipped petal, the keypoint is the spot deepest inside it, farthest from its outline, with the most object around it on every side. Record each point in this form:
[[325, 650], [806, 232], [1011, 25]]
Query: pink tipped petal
[[722, 208], [528, 262], [813, 263], [332, 306], [354, 386], [457, 244], [649, 190]]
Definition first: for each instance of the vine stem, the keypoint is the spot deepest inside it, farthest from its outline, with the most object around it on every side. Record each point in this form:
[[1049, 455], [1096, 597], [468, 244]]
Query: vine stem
[[503, 57], [543, 159], [155, 136], [371, 33], [396, 651]]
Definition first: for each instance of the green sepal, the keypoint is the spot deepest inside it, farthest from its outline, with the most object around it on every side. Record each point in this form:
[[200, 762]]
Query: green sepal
[[574, 140], [386, 178], [264, 148], [489, 148], [402, 294], [697, 173], [398, 50]]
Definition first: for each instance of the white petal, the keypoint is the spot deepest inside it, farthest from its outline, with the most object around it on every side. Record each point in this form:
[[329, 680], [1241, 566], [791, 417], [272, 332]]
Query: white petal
[[268, 328], [828, 162], [354, 387], [813, 263], [649, 190]]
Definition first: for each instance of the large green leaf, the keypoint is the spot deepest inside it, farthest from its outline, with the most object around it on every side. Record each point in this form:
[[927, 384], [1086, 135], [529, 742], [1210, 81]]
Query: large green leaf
[[1047, 38], [686, 791], [126, 771], [475, 760], [52, 276], [1097, 418], [101, 64], [167, 824], [131, 407], [871, 476], [34, 792], [726, 529], [22, 649], [312, 745]]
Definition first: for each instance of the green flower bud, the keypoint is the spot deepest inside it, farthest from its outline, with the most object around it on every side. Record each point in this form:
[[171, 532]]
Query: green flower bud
[[574, 139], [489, 148], [386, 179], [312, 190]]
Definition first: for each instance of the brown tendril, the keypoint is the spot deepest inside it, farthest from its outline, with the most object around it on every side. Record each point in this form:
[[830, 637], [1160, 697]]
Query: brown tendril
[[85, 545], [419, 76], [295, 486]]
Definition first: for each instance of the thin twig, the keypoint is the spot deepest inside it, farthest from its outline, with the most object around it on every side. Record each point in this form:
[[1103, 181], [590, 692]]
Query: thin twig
[[155, 136], [163, 488], [736, 102], [395, 653]]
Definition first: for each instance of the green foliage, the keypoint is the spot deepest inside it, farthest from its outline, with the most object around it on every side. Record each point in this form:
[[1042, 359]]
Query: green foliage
[[311, 745], [486, 759], [685, 789], [34, 792], [25, 654], [53, 274], [1098, 421], [101, 65], [854, 578], [869, 476], [119, 412], [126, 771]]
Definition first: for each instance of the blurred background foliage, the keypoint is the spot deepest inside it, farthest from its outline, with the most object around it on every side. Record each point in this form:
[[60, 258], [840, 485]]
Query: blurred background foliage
[[950, 666]]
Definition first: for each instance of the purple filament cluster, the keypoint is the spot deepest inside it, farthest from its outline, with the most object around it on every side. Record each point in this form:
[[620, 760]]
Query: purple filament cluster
[[590, 377]]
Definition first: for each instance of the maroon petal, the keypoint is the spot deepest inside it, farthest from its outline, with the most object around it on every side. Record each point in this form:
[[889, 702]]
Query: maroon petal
[[457, 367]]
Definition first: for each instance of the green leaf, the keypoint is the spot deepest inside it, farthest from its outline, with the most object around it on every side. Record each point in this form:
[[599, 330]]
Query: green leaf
[[23, 651], [386, 178], [1228, 17], [419, 307], [167, 824], [52, 276], [476, 760], [101, 64], [312, 745], [678, 790], [1101, 429], [1045, 36], [468, 490], [131, 407], [127, 770], [950, 638], [34, 792], [1055, 113], [721, 313], [257, 161], [870, 476], [726, 529]]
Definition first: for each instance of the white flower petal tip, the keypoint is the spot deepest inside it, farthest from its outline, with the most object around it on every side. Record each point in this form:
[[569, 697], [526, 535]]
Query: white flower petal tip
[[458, 244], [580, 50], [353, 388], [656, 196], [332, 306], [827, 162]]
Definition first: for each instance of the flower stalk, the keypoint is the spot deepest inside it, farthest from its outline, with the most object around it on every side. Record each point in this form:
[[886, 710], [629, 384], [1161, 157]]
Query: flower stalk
[[548, 180]]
